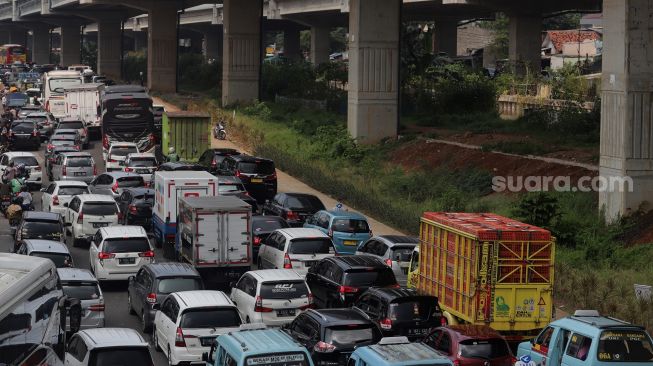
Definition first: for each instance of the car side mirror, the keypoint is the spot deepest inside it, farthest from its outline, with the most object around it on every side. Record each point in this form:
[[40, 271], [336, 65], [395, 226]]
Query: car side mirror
[[65, 204], [156, 307]]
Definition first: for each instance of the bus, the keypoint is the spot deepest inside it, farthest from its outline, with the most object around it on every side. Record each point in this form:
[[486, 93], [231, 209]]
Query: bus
[[127, 117], [33, 312], [54, 85], [13, 53]]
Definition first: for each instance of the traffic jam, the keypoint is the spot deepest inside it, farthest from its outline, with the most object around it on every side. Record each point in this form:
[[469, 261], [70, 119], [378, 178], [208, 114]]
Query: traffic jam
[[108, 193]]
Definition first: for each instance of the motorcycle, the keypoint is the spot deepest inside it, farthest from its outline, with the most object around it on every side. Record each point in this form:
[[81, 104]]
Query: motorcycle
[[219, 132]]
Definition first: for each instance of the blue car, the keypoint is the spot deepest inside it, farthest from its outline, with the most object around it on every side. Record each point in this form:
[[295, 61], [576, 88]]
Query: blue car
[[347, 229]]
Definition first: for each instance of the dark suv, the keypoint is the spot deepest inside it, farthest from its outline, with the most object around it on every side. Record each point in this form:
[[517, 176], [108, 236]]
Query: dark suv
[[401, 312], [331, 335], [294, 207], [154, 282], [339, 281], [212, 158], [257, 174], [39, 225]]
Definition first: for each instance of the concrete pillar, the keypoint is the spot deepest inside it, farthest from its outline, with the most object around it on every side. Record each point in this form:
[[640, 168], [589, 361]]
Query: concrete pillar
[[70, 50], [291, 44], [162, 48], [212, 44], [525, 44], [372, 112], [320, 45], [109, 49], [40, 45], [140, 40], [242, 51], [626, 107], [445, 38]]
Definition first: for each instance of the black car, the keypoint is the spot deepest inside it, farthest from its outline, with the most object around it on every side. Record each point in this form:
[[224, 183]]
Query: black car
[[339, 281], [39, 225], [257, 174], [294, 207], [401, 312], [154, 282], [24, 134], [331, 335], [261, 227], [135, 206], [212, 158]]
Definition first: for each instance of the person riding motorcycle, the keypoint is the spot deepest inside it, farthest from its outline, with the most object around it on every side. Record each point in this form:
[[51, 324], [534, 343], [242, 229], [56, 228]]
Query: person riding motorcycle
[[172, 155], [26, 204]]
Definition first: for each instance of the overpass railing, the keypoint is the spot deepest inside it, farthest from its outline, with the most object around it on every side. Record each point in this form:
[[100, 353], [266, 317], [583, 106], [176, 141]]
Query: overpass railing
[[6, 11], [27, 7], [56, 3]]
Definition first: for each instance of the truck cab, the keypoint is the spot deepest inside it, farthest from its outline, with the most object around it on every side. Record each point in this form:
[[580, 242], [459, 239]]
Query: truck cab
[[397, 351], [588, 339]]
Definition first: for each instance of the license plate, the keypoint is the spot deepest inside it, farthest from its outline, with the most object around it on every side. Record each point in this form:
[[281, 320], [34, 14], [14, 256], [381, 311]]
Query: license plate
[[257, 180], [100, 224], [126, 260], [142, 171], [351, 242], [423, 331], [207, 341], [286, 312], [79, 174], [309, 263]]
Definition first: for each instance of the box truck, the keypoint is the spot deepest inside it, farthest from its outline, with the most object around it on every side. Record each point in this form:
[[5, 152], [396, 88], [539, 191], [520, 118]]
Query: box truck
[[83, 104], [188, 132]]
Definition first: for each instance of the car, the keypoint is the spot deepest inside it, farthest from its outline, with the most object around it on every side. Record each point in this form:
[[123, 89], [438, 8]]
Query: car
[[232, 186], [587, 338], [39, 225], [470, 345], [27, 110], [397, 351], [135, 206], [144, 164], [212, 158], [118, 252], [78, 166], [189, 321], [108, 346], [331, 335], [86, 213], [294, 207], [69, 132], [347, 229], [45, 121], [24, 134], [113, 183], [393, 250], [55, 251], [339, 281], [294, 248], [271, 296], [30, 162], [117, 153], [261, 227], [61, 141], [74, 124], [80, 284], [153, 283], [258, 174], [58, 193], [401, 312], [51, 157]]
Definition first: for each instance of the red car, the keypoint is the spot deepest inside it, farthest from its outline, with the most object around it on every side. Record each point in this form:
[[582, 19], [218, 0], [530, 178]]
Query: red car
[[471, 345]]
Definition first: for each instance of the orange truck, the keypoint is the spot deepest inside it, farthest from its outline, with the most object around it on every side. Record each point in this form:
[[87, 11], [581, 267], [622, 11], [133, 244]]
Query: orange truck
[[489, 270]]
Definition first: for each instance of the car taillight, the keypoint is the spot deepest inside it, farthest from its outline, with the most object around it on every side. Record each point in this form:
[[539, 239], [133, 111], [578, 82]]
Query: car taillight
[[257, 241], [348, 290], [388, 262], [291, 215], [310, 305], [179, 339], [271, 177], [133, 209], [151, 298], [64, 171], [55, 200], [94, 169], [97, 307], [324, 347], [77, 148], [258, 306], [35, 133], [128, 169], [114, 187], [110, 160], [50, 147], [386, 324], [105, 142], [287, 263], [104, 255], [238, 174], [148, 254], [456, 362], [80, 218]]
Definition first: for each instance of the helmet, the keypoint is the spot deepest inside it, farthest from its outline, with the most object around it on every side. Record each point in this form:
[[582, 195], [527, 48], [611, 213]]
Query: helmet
[[525, 359], [171, 150], [13, 89]]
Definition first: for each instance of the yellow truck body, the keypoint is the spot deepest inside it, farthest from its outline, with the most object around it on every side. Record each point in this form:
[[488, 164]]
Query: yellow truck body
[[490, 270]]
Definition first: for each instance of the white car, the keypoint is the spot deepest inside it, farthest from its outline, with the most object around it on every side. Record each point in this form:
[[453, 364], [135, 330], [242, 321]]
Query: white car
[[295, 248], [107, 346], [119, 252], [117, 153], [187, 323], [271, 296], [58, 193], [144, 164], [31, 164], [86, 213]]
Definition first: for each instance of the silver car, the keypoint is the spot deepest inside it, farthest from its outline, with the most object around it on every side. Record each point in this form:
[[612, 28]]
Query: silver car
[[393, 250], [80, 284], [78, 166], [73, 124]]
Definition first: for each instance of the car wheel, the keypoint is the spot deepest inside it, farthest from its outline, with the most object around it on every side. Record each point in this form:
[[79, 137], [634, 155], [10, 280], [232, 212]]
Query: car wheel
[[155, 339], [130, 307], [145, 327], [247, 320]]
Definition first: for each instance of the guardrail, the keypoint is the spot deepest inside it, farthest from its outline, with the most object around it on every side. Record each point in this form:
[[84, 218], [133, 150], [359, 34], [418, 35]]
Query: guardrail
[[27, 7], [56, 3]]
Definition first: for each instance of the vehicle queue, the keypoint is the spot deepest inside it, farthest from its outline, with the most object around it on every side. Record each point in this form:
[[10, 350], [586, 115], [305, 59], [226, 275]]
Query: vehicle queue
[[254, 276]]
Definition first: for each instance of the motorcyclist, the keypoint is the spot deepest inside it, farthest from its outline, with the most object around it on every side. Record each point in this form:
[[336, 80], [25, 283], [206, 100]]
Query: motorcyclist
[[16, 185], [27, 199], [172, 155], [9, 173]]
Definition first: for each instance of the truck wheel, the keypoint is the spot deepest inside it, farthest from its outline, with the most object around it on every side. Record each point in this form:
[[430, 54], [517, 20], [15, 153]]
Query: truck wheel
[[168, 251]]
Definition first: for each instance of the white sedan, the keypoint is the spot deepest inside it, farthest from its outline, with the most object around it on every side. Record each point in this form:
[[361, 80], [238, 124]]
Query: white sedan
[[58, 193]]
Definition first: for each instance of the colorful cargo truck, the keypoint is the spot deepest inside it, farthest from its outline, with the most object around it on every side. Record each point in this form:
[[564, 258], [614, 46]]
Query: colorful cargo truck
[[188, 132], [489, 270]]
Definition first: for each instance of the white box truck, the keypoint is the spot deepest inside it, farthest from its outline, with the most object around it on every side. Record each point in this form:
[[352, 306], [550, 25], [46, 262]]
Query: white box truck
[[169, 188], [83, 104], [213, 235]]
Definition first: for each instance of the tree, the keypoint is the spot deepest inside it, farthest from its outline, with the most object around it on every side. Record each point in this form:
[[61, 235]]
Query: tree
[[499, 46], [562, 22]]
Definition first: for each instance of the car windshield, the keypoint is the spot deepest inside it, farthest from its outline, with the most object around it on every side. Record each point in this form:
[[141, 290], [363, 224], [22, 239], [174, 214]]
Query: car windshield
[[176, 284], [258, 167], [484, 348], [624, 346], [62, 141], [126, 245], [148, 198], [350, 226], [210, 318], [414, 308], [42, 230], [82, 290], [72, 190], [74, 125], [144, 162], [126, 182], [25, 160], [277, 359], [100, 208], [402, 253], [370, 277], [65, 134], [23, 127], [350, 335], [123, 150], [57, 85], [280, 290], [226, 188], [120, 356], [268, 225], [60, 259], [79, 161], [311, 246], [311, 203]]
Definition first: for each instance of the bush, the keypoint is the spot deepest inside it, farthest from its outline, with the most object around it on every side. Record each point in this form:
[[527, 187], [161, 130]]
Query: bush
[[134, 63], [195, 74]]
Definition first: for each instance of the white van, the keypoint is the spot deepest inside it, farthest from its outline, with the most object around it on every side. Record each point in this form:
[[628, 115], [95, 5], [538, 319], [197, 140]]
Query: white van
[[54, 84]]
